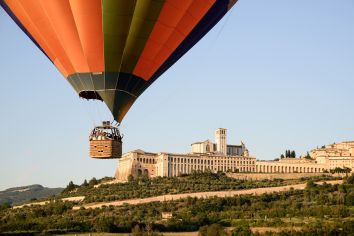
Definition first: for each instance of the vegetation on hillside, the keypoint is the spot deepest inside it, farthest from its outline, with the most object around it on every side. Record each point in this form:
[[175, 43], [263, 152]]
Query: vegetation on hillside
[[316, 209], [144, 187]]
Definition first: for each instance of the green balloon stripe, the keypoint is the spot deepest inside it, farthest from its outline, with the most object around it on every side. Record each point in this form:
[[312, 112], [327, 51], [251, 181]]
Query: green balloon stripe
[[127, 25]]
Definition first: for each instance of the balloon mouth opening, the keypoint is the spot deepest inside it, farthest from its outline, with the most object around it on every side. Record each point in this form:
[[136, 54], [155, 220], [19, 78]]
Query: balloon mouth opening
[[90, 95]]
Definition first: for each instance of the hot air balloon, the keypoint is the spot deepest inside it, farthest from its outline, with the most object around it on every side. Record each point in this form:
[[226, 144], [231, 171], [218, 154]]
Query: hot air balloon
[[112, 50]]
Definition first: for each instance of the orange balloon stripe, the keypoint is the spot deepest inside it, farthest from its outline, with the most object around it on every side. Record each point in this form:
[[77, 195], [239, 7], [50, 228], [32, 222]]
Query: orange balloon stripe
[[160, 34], [34, 18], [69, 31], [61, 17], [88, 18], [26, 20], [176, 21]]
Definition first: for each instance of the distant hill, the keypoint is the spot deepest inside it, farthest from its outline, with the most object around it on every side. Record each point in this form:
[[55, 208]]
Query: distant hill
[[24, 194]]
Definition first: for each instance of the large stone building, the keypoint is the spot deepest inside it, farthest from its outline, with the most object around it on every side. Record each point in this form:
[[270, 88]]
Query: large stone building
[[205, 155], [220, 156]]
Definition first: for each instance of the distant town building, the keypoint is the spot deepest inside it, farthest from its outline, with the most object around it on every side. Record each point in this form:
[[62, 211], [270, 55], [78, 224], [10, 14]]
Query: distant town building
[[335, 155], [220, 156]]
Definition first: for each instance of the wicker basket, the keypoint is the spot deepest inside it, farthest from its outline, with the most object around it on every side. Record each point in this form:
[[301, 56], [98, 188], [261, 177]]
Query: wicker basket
[[105, 149]]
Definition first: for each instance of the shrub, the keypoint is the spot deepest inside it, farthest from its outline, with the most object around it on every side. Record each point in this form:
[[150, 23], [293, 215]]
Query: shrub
[[242, 230], [350, 179], [212, 230]]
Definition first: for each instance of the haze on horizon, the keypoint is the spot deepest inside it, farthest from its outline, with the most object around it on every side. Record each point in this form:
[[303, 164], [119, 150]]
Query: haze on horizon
[[277, 74]]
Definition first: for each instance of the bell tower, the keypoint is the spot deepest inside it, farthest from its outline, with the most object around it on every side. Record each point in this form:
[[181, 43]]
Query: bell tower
[[220, 139]]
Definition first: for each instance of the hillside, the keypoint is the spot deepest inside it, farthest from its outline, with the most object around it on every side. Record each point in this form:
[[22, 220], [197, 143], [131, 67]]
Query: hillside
[[18, 195], [95, 191], [144, 187], [312, 210]]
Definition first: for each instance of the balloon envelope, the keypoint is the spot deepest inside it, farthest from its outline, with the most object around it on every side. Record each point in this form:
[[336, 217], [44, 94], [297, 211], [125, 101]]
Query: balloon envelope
[[112, 50]]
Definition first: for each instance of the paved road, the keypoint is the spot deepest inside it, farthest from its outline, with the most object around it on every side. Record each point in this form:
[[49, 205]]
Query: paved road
[[169, 197]]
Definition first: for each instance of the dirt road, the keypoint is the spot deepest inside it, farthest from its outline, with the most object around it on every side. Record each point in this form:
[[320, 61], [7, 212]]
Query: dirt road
[[169, 197], [68, 199]]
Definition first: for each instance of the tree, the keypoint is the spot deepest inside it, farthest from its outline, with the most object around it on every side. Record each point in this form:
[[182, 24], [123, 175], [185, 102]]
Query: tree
[[212, 230], [104, 225], [338, 170], [292, 154], [350, 179], [136, 231], [130, 178], [282, 156], [310, 184], [242, 230], [287, 153], [84, 184], [347, 170], [308, 156], [93, 182], [145, 177], [349, 199], [70, 187], [148, 229]]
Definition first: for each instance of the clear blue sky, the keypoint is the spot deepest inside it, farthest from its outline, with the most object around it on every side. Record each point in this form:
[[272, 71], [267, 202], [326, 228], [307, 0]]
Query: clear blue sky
[[277, 74]]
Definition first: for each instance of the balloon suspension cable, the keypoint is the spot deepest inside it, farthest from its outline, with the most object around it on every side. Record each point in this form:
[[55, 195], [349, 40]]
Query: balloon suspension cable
[[114, 123], [95, 107], [223, 26], [87, 110]]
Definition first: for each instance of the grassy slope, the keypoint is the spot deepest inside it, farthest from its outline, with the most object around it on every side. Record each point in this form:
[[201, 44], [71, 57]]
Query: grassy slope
[[23, 194]]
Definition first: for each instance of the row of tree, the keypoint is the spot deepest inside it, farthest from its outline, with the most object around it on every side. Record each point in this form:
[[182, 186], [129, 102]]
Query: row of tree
[[288, 154]]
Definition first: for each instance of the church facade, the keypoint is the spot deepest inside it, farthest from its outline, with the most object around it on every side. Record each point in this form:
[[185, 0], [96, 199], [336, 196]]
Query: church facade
[[220, 156]]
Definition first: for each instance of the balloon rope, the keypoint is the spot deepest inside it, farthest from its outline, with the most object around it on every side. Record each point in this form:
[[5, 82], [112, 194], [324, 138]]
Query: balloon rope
[[95, 91], [223, 25]]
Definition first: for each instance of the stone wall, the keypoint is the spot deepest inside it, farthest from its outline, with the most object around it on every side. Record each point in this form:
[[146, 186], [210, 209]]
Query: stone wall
[[287, 166], [262, 176]]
